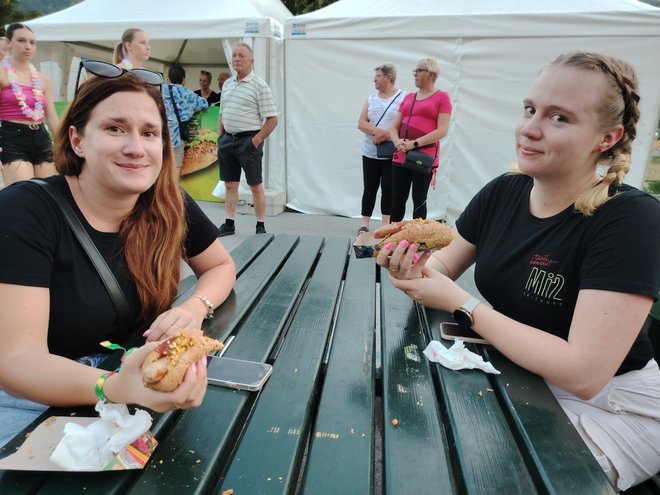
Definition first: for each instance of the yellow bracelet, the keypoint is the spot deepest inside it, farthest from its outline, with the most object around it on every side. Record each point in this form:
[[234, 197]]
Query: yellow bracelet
[[98, 388]]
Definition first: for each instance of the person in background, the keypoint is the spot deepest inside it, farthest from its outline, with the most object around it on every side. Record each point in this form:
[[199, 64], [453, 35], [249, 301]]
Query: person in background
[[247, 117], [187, 103], [375, 120], [117, 174], [222, 77], [568, 260], [205, 90], [133, 50], [423, 119], [26, 103]]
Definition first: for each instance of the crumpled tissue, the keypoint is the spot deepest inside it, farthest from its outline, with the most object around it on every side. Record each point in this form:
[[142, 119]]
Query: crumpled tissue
[[457, 357], [93, 447]]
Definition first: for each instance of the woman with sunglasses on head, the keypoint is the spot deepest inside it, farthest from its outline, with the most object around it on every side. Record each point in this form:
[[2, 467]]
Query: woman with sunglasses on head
[[568, 260], [133, 50], [117, 174], [26, 102], [422, 120]]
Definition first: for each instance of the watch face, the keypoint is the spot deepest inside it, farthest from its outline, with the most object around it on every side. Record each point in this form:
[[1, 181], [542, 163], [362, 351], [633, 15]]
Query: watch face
[[462, 318]]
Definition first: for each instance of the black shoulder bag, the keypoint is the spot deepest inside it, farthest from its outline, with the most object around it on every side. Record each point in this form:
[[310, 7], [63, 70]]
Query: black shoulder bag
[[109, 280], [416, 161], [184, 130], [386, 149]]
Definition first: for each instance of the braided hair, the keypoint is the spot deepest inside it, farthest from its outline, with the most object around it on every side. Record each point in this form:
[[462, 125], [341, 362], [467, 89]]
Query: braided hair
[[619, 105]]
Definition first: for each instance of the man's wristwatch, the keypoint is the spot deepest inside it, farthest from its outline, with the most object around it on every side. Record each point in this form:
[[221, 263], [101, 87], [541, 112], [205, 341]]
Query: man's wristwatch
[[416, 144], [463, 315]]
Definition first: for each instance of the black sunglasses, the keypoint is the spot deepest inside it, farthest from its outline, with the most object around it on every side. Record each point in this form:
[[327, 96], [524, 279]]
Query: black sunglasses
[[106, 69]]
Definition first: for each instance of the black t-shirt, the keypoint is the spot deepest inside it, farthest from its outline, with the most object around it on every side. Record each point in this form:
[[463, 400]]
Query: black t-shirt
[[212, 98], [38, 248], [531, 269]]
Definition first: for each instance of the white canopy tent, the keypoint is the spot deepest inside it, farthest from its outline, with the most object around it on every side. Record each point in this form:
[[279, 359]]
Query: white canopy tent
[[489, 54], [197, 34]]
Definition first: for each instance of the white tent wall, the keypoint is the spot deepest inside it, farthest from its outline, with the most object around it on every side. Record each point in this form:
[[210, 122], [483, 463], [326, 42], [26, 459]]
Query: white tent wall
[[192, 37], [488, 62]]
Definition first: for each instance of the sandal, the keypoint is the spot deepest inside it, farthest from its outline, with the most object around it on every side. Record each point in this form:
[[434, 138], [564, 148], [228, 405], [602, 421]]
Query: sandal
[[363, 229]]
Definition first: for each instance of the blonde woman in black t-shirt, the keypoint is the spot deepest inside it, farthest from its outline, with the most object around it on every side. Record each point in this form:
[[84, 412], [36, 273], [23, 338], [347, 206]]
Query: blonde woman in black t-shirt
[[568, 261]]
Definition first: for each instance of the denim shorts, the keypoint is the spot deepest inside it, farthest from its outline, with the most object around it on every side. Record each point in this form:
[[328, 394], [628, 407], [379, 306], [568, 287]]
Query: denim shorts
[[236, 152], [26, 143], [17, 413]]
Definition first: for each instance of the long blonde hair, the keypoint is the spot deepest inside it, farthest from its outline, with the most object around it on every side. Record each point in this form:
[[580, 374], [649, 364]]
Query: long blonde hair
[[153, 234], [619, 105]]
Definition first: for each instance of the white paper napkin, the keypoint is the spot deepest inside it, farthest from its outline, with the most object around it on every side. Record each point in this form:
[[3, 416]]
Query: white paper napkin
[[92, 447], [457, 357]]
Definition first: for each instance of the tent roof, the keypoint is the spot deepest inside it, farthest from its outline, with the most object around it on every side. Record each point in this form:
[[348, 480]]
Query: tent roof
[[421, 19], [386, 8], [96, 20]]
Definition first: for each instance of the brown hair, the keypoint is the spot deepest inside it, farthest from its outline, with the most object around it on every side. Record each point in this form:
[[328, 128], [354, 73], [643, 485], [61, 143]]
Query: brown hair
[[127, 37], [619, 105], [9, 34], [153, 234]]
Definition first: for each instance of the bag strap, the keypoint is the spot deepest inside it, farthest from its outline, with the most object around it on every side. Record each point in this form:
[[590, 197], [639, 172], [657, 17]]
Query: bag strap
[[405, 135], [109, 280], [388, 107], [176, 109]]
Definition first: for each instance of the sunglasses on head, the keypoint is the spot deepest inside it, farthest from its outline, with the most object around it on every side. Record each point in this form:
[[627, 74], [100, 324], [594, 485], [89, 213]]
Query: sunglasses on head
[[105, 69]]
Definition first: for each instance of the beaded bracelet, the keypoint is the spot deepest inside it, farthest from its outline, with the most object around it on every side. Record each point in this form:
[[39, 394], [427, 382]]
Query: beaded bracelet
[[98, 388], [209, 307]]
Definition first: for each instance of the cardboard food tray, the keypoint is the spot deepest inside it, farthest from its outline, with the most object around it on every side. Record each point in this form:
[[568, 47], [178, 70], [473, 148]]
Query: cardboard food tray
[[34, 454], [366, 245]]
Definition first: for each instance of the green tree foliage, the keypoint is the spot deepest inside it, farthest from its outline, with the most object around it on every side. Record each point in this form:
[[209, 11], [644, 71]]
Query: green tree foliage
[[10, 11], [298, 7]]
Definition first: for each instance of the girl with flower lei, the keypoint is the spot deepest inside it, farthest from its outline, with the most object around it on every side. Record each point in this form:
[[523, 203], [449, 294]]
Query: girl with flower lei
[[133, 50], [25, 104]]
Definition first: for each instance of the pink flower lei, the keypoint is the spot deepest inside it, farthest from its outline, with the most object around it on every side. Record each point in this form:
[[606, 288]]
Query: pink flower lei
[[38, 113]]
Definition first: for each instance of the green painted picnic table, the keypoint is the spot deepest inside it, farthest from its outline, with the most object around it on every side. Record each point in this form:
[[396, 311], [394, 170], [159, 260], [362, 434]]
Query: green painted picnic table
[[333, 417]]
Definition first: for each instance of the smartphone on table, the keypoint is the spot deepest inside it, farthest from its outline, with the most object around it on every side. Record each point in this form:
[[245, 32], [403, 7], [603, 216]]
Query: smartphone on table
[[451, 331], [237, 373]]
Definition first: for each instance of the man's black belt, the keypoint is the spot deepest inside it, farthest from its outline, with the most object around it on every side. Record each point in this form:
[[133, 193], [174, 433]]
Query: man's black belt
[[243, 134]]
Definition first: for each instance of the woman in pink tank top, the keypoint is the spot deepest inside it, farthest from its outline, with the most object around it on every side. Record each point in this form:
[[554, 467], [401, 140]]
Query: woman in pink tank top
[[25, 104], [421, 122]]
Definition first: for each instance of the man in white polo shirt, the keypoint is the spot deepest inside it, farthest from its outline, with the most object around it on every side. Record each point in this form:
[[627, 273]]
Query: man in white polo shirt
[[247, 116]]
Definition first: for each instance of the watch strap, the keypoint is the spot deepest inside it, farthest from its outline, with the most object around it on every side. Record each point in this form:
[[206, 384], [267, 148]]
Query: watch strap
[[471, 304]]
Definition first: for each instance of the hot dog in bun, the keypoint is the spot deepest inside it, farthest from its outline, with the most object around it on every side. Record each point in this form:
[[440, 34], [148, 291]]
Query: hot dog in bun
[[165, 367]]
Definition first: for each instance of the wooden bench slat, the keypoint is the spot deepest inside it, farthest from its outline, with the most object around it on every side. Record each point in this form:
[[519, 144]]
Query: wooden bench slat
[[267, 459], [487, 457], [249, 285], [554, 446], [248, 250], [345, 417], [258, 335], [415, 451]]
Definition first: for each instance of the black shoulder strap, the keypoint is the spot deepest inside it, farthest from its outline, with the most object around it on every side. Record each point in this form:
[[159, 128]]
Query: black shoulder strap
[[109, 280], [388, 107], [176, 109]]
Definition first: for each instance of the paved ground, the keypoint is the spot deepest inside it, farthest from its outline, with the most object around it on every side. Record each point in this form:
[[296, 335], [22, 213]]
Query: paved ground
[[289, 222]]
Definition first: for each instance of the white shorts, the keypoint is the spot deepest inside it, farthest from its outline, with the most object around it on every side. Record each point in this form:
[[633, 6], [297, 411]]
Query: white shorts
[[621, 425]]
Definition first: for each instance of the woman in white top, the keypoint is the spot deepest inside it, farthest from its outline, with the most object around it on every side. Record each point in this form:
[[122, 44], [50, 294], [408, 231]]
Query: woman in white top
[[133, 50], [375, 121]]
